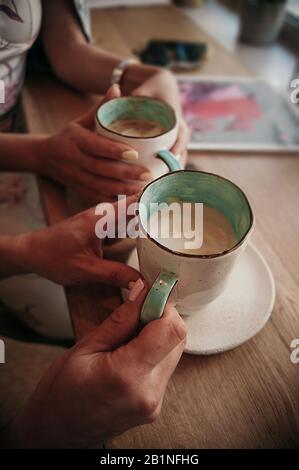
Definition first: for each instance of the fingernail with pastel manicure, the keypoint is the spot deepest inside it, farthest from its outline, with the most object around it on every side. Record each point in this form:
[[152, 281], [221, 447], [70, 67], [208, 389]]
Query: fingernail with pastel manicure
[[136, 290], [130, 155], [146, 176]]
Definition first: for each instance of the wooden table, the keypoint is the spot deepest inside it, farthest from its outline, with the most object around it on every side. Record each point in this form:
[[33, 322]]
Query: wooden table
[[245, 398]]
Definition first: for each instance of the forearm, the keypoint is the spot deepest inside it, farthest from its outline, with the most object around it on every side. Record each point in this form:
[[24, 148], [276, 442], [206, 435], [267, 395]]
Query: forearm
[[20, 152], [85, 67], [77, 62], [72, 58], [13, 255], [90, 70]]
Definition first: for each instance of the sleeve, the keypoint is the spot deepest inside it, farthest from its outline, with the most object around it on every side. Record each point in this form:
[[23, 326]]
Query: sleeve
[[83, 12]]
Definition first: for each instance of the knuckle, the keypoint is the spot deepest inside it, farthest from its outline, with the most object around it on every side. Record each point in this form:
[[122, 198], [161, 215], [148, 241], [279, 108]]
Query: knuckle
[[117, 318], [143, 398], [148, 408], [145, 406]]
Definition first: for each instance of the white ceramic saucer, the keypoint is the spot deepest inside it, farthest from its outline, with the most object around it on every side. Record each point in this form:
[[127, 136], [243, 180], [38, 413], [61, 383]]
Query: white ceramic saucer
[[238, 314]]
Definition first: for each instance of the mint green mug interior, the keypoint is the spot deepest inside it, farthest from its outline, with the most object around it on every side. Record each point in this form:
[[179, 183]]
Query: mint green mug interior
[[136, 107], [207, 188]]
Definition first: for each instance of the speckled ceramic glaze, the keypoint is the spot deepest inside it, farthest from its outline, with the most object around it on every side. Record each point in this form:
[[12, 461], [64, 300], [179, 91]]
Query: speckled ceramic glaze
[[149, 148], [234, 317], [200, 278]]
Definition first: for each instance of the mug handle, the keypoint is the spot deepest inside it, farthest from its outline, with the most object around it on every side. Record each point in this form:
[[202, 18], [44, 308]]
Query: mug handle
[[157, 297], [170, 160]]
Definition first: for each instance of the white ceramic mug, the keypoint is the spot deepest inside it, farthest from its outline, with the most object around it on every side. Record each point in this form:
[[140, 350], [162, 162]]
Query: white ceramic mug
[[191, 279], [153, 152]]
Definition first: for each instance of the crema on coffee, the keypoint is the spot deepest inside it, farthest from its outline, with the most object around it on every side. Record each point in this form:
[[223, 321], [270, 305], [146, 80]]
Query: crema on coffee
[[137, 127], [218, 233]]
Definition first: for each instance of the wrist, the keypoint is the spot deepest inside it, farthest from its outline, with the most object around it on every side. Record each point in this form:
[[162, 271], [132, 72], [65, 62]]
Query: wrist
[[23, 433], [39, 154], [21, 152], [14, 255]]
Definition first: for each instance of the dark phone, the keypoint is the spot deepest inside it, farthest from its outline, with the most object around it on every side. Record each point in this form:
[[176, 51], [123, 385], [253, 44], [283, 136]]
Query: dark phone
[[174, 54]]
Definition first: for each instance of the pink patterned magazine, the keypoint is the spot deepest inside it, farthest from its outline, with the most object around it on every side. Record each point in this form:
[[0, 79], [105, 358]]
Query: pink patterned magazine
[[233, 114]]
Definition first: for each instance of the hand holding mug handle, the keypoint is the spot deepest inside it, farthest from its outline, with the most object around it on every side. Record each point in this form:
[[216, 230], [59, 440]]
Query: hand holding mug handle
[[157, 297], [170, 160]]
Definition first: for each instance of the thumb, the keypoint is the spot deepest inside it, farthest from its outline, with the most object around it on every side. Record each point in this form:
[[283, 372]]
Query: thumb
[[87, 120], [112, 92], [139, 91], [113, 273], [121, 326]]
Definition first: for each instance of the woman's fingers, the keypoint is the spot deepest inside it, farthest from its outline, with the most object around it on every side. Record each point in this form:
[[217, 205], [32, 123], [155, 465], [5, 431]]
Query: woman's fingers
[[92, 197], [112, 92], [183, 139], [78, 178], [120, 327], [112, 273], [114, 187], [95, 144], [158, 338], [99, 146], [167, 366], [112, 169]]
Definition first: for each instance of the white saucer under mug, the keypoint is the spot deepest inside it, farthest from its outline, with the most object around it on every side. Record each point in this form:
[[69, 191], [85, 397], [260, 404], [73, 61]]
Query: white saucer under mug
[[236, 315]]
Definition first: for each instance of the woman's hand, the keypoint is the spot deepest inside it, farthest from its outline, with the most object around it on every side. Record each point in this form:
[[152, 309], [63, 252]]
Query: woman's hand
[[70, 253], [160, 83], [112, 380], [94, 166]]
